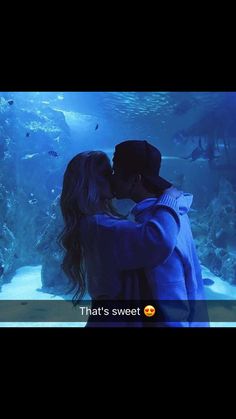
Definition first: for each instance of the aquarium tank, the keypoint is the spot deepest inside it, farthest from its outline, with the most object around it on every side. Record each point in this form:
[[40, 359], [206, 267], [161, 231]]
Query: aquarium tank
[[40, 132]]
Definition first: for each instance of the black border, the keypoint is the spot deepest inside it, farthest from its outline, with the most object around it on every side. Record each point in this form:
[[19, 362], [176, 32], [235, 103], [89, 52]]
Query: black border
[[115, 73], [107, 70]]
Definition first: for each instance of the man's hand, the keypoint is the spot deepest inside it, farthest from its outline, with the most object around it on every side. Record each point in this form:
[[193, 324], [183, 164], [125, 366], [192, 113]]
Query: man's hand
[[173, 192]]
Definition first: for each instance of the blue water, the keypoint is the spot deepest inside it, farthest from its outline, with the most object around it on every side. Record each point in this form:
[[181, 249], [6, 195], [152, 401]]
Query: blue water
[[34, 124]]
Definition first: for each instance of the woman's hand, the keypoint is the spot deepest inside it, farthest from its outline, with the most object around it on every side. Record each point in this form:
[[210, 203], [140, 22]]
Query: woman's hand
[[173, 192]]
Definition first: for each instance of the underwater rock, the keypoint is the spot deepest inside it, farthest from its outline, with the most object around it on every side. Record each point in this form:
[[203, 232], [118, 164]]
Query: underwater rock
[[214, 231], [1, 269], [199, 229], [225, 189], [53, 277], [210, 259], [221, 253], [7, 250], [229, 269], [221, 238], [23, 159], [219, 217]]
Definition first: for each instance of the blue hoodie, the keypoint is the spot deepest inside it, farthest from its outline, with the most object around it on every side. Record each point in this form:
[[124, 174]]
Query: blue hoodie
[[116, 251], [128, 260], [179, 277]]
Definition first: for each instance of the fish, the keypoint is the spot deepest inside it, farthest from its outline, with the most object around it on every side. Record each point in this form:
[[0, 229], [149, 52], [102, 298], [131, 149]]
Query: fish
[[208, 281], [29, 156], [10, 102], [53, 153], [208, 153], [196, 154], [16, 256], [33, 201], [1, 270], [27, 134], [96, 127]]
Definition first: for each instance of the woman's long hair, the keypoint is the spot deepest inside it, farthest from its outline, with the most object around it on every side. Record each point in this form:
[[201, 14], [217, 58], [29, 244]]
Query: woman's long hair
[[81, 196]]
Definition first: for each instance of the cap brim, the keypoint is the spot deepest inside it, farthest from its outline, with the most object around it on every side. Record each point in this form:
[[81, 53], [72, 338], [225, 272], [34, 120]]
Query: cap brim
[[158, 181]]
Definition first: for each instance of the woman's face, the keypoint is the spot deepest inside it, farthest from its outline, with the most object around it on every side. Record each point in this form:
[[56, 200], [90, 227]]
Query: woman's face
[[104, 175]]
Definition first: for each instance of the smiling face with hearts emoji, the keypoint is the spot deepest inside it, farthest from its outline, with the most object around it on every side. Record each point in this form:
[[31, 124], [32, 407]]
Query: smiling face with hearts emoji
[[149, 311]]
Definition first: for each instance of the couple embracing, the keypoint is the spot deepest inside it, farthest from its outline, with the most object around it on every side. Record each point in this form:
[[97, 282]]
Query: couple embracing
[[151, 257]]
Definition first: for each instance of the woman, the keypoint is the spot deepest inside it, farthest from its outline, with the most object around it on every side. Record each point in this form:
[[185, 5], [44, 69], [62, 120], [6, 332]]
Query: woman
[[103, 250]]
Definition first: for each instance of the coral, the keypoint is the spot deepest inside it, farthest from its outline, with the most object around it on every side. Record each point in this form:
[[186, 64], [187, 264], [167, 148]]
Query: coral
[[53, 277], [26, 184], [228, 270], [214, 229]]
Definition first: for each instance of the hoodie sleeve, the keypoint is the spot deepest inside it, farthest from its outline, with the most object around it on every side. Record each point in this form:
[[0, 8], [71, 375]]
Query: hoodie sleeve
[[128, 245]]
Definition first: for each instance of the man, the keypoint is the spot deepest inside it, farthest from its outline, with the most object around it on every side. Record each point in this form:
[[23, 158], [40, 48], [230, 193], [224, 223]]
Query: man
[[136, 166]]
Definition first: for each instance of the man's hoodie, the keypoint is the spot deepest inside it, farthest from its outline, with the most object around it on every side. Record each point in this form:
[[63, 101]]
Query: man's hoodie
[[153, 258], [179, 277], [114, 247]]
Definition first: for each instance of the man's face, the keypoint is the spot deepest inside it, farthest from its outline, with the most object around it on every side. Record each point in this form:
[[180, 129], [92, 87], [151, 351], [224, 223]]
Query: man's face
[[121, 183]]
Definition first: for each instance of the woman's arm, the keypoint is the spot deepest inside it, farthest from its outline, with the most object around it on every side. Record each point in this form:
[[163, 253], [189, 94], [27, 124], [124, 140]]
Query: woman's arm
[[128, 245]]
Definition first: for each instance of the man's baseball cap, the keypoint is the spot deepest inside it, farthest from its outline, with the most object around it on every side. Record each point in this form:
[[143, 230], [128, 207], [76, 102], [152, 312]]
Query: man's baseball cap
[[141, 157]]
